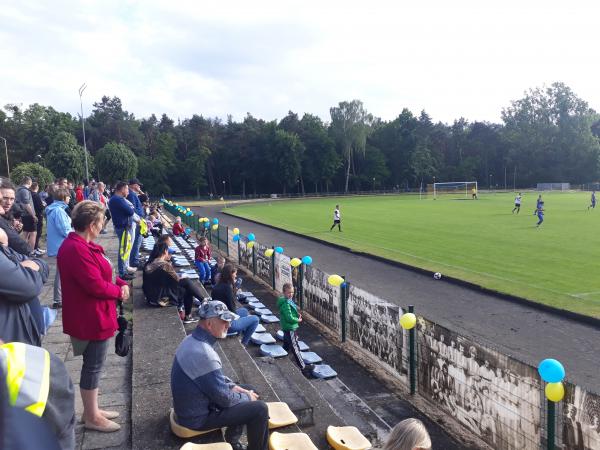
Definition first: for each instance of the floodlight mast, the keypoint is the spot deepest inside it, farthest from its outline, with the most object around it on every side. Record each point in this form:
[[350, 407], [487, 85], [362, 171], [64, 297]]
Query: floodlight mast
[[81, 89]]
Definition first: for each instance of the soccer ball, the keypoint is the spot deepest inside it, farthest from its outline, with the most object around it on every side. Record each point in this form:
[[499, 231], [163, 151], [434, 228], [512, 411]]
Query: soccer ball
[[437, 276]]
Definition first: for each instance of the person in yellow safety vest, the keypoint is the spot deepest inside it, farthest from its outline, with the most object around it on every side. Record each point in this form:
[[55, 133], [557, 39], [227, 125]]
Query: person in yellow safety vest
[[37, 381]]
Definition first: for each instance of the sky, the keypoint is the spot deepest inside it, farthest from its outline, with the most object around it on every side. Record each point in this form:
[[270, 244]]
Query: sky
[[454, 59]]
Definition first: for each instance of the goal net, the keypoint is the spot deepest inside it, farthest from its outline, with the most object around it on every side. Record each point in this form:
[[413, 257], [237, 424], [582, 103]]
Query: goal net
[[455, 189]]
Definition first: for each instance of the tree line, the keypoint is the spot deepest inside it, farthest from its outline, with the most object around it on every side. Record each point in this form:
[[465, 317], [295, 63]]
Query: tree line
[[549, 135]]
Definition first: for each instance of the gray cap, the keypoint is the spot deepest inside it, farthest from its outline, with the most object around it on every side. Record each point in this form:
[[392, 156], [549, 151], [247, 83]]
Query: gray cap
[[215, 308]]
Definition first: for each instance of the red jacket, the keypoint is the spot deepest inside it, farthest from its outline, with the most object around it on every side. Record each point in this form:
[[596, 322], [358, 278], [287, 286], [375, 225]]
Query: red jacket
[[178, 229], [79, 195], [202, 254], [88, 293]]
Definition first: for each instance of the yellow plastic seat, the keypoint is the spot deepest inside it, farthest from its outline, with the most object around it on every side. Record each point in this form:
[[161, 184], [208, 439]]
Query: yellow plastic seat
[[215, 446], [181, 431], [280, 415], [290, 441], [347, 438]]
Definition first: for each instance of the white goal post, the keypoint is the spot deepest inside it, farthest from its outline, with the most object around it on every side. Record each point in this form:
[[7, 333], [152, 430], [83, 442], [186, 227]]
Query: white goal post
[[463, 188]]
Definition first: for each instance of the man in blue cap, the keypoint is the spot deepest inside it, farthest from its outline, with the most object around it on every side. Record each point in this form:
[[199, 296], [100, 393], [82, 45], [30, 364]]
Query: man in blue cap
[[203, 397]]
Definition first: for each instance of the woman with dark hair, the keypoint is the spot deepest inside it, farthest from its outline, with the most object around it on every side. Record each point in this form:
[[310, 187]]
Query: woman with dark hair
[[89, 298], [161, 283], [224, 290]]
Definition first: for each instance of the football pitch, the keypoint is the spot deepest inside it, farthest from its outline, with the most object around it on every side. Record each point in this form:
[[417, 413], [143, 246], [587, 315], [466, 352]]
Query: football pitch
[[480, 241]]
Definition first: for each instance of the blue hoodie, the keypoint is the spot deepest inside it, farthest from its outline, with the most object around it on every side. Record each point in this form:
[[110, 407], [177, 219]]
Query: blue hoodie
[[58, 225]]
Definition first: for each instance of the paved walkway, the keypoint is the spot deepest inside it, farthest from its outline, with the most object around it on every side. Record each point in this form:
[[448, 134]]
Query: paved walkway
[[528, 334], [115, 383]]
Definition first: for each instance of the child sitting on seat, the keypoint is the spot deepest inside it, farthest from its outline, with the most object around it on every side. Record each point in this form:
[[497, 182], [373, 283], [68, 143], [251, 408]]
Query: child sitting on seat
[[178, 229], [290, 319], [202, 258]]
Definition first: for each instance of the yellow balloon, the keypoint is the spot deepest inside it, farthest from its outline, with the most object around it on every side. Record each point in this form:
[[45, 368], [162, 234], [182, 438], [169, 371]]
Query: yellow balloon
[[236, 231], [408, 321], [335, 280], [555, 391], [269, 252], [295, 262], [215, 226], [250, 244], [200, 220]]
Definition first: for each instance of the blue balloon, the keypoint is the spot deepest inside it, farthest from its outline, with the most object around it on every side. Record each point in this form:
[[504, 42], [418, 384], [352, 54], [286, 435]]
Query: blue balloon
[[251, 237], [551, 371], [343, 284], [189, 213], [236, 237], [188, 231], [307, 260], [206, 224], [215, 221], [278, 249]]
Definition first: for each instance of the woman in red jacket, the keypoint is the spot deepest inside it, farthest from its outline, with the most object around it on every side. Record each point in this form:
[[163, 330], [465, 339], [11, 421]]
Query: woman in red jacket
[[89, 305]]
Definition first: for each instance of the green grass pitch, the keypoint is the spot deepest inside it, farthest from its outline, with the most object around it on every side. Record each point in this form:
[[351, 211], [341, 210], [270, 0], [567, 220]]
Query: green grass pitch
[[480, 241]]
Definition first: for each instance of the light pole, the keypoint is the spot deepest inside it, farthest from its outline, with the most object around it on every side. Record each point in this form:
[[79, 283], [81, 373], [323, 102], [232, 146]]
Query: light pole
[[373, 184], [6, 151], [223, 188], [81, 89], [490, 183]]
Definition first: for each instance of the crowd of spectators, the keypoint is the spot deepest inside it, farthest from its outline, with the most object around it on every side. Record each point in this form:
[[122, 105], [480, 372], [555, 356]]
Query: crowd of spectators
[[88, 291]]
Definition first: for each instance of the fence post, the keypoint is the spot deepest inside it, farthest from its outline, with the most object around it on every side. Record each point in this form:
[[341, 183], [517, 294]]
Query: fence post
[[254, 259], [226, 239], [300, 286], [551, 438], [273, 268], [412, 355], [209, 234], [218, 237], [239, 253], [344, 300]]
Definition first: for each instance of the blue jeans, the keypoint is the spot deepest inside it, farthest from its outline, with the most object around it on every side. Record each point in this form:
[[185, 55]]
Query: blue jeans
[[122, 264], [204, 268], [246, 325], [134, 258]]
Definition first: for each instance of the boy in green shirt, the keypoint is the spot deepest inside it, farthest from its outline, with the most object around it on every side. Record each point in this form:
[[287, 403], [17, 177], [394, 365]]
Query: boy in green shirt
[[290, 319]]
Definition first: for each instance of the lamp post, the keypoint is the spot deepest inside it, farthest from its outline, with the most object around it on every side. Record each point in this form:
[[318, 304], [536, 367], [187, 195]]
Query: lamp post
[[223, 188], [6, 152], [373, 184], [81, 89], [490, 183]]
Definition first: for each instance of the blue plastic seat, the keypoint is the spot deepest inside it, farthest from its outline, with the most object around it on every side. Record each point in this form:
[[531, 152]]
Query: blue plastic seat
[[324, 371], [279, 335], [269, 319], [255, 305], [232, 333], [273, 350], [303, 346], [262, 338], [310, 357], [263, 311], [260, 329]]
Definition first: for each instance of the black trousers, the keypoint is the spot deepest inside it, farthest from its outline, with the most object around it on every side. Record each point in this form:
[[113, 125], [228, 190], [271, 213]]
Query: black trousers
[[188, 289], [255, 415], [39, 228], [290, 345]]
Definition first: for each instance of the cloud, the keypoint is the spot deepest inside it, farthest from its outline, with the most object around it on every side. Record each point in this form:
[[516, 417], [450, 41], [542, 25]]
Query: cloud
[[452, 59]]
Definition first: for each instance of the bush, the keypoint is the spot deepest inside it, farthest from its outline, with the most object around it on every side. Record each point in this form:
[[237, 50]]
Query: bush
[[36, 171]]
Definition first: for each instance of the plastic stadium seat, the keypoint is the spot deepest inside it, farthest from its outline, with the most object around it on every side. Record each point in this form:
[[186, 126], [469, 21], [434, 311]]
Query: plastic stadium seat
[[290, 441], [214, 446], [247, 294], [232, 333], [269, 319], [310, 357], [260, 329], [273, 350], [280, 415], [347, 438], [263, 311], [303, 346], [181, 431], [255, 305], [279, 335], [262, 338], [324, 371]]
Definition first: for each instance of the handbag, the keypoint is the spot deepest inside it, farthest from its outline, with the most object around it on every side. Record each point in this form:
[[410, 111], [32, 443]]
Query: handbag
[[123, 339]]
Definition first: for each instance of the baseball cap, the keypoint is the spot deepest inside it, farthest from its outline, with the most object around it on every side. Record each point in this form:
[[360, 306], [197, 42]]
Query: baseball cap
[[135, 181], [215, 308]]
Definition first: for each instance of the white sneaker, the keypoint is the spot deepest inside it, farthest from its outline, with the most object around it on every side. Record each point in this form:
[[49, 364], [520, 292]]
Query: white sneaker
[[41, 251], [131, 269]]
